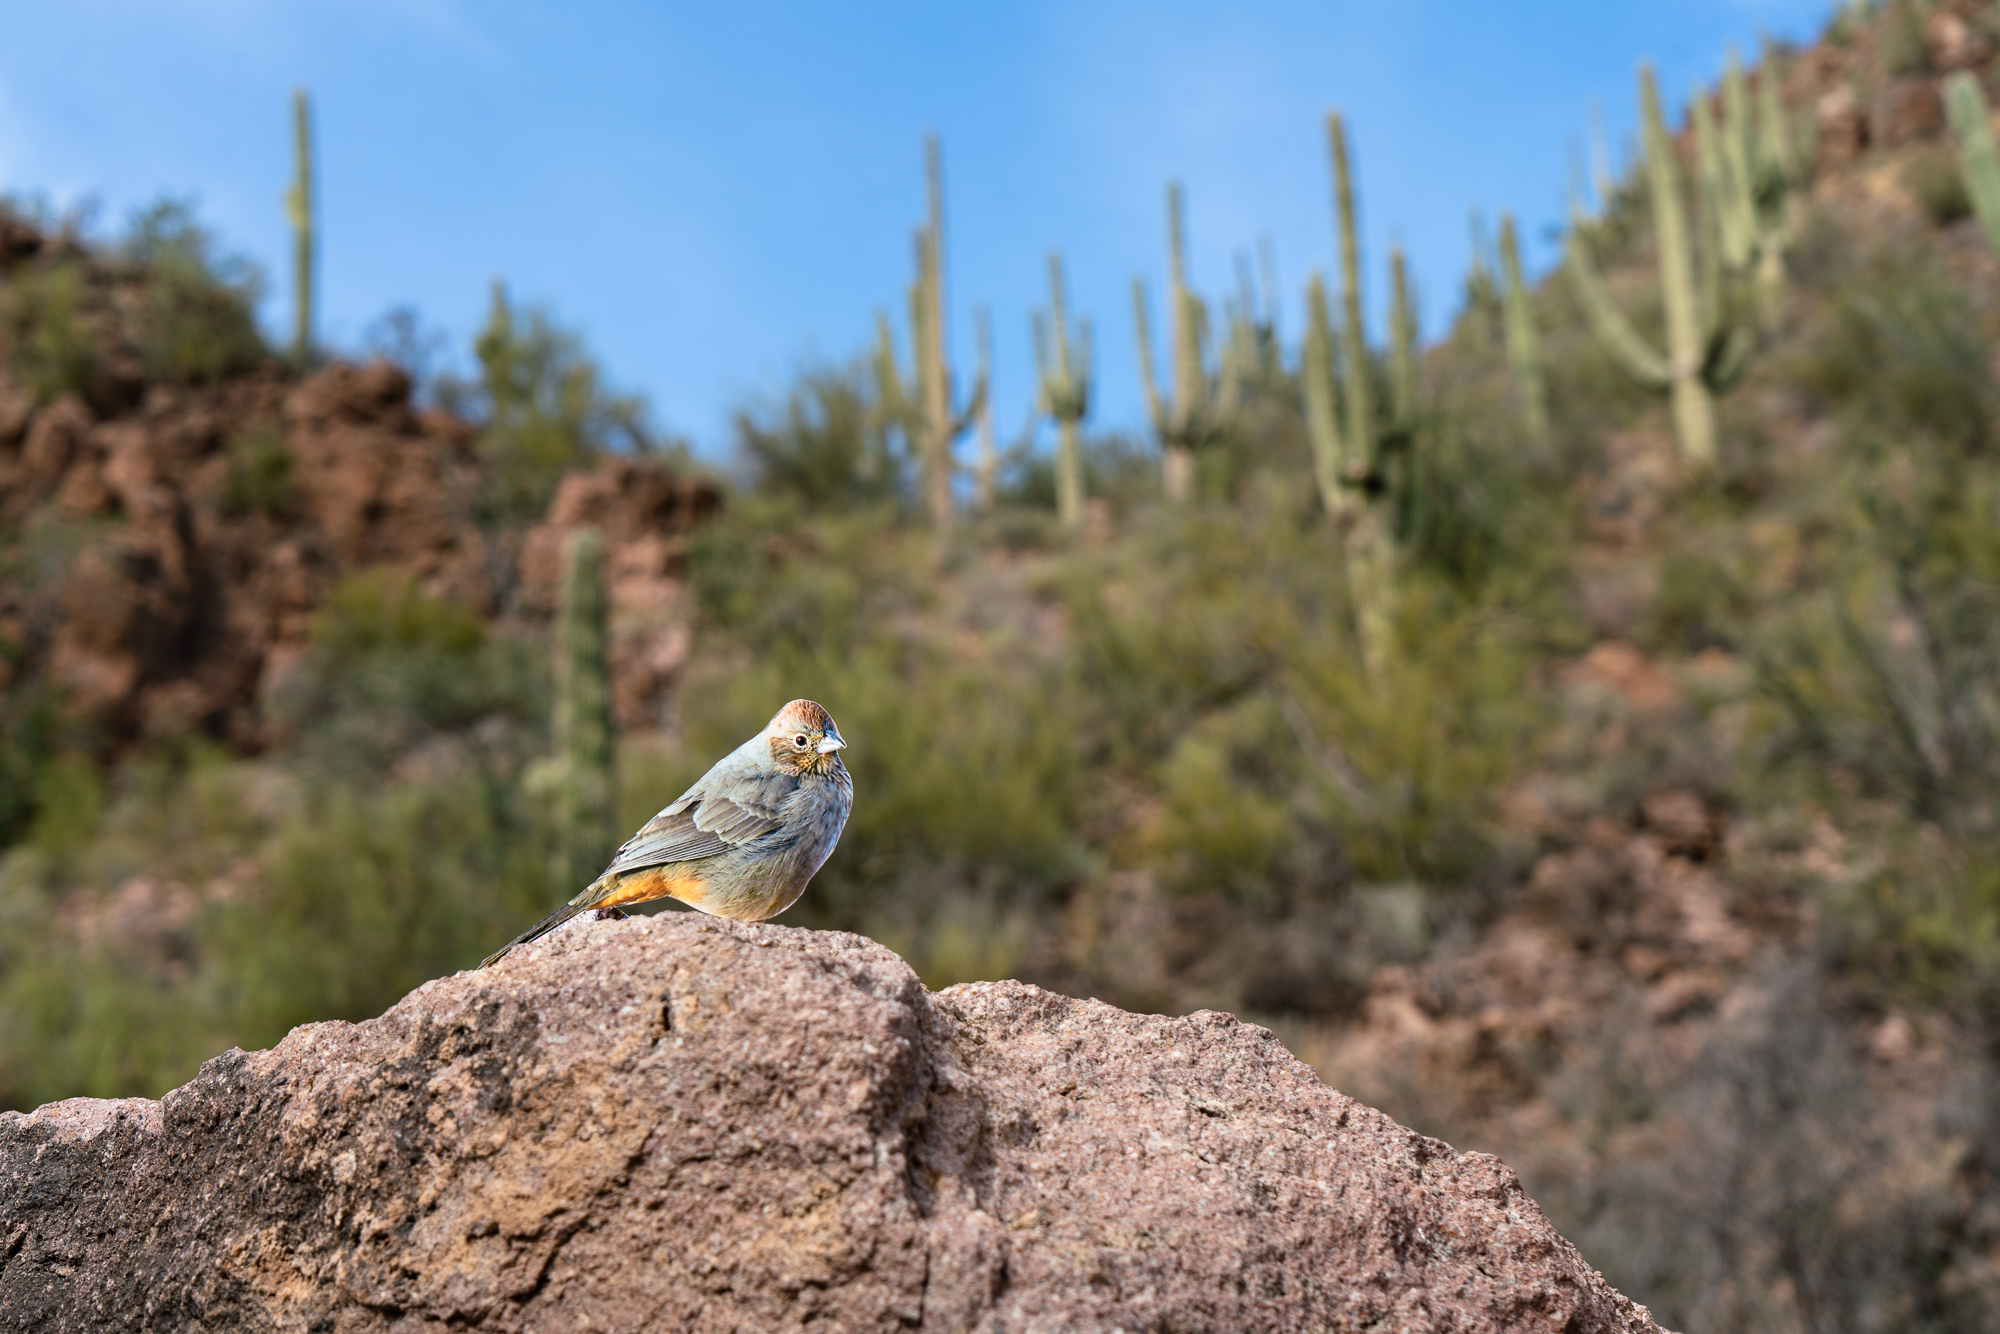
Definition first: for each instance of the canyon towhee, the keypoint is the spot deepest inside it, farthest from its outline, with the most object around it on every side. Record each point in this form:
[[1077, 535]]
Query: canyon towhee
[[744, 840]]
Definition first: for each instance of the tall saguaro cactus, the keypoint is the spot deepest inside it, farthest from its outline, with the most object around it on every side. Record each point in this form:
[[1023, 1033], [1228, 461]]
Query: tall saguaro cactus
[[1705, 346], [1193, 417], [299, 209], [584, 772], [1360, 404], [1064, 376], [1524, 350], [924, 409], [1347, 455]]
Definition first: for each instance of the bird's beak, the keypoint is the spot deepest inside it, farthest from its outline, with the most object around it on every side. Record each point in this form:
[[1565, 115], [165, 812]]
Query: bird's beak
[[830, 743]]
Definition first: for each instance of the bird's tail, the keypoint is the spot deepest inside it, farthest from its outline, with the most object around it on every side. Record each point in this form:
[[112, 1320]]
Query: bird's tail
[[593, 894]]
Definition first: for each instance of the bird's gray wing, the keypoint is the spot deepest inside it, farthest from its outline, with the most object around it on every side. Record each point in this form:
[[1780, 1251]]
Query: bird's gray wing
[[719, 813]]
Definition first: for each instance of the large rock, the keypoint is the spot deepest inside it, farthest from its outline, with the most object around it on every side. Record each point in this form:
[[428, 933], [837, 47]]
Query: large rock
[[682, 1123]]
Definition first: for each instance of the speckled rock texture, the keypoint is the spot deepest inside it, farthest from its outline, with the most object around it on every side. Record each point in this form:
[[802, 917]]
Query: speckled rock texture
[[681, 1123]]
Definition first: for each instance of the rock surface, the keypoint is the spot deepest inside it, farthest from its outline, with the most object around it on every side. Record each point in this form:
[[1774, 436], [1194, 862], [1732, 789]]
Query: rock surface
[[683, 1123]]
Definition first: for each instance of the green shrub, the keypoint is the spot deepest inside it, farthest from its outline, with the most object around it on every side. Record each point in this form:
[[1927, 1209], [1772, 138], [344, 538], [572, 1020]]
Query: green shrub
[[198, 320], [542, 406], [51, 338], [261, 467], [1934, 177]]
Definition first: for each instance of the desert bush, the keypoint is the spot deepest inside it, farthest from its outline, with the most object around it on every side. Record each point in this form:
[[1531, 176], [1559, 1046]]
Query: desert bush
[[197, 322], [51, 338], [542, 406]]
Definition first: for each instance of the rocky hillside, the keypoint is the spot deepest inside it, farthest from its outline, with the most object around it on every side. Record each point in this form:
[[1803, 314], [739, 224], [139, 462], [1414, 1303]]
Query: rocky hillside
[[171, 554]]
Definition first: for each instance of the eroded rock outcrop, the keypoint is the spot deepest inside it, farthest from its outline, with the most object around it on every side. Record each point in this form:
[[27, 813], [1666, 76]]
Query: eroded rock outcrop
[[683, 1123]]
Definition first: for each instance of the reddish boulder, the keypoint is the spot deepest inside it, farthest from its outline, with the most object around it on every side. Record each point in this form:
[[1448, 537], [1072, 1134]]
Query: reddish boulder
[[683, 1123]]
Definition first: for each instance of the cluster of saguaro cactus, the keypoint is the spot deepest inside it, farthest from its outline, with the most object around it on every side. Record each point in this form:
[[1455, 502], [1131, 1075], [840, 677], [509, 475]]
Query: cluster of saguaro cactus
[[583, 774], [1350, 457], [299, 209], [924, 407], [1979, 159], [1750, 175], [1202, 404], [1524, 351], [1063, 374]]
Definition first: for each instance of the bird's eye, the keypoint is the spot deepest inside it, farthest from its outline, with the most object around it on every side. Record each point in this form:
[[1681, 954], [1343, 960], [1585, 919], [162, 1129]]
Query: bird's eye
[[800, 741]]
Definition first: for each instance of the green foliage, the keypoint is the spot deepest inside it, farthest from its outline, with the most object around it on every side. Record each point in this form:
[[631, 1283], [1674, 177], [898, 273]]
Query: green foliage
[[198, 321], [542, 406], [824, 446], [50, 338], [1885, 676], [260, 480], [392, 669], [1937, 182]]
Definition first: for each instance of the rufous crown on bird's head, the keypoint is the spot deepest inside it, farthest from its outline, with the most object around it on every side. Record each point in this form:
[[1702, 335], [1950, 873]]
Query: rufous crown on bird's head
[[803, 713], [804, 738]]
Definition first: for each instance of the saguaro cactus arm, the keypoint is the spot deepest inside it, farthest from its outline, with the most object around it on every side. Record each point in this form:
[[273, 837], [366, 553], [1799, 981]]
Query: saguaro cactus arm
[[1143, 338], [1615, 331], [1403, 340], [1524, 353]]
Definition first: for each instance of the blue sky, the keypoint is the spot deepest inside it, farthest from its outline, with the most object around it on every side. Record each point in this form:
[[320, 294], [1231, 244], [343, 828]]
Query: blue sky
[[715, 195]]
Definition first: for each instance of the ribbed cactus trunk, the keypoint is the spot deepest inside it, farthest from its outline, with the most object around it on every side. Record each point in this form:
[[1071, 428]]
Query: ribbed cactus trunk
[[1403, 349], [1065, 391], [1524, 348], [1354, 335], [586, 778], [1369, 549], [1329, 448], [299, 209], [933, 375], [984, 480], [1177, 463], [1979, 159]]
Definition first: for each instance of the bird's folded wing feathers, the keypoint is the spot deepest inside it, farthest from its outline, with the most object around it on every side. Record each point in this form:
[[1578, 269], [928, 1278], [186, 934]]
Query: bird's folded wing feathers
[[702, 826]]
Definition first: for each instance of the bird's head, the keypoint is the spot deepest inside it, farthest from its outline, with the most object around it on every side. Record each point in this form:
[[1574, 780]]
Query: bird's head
[[804, 740]]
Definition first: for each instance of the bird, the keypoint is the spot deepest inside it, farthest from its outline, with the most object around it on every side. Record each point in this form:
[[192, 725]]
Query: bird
[[743, 841]]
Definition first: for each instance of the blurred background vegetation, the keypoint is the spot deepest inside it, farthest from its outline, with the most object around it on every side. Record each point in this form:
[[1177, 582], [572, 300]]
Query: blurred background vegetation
[[1323, 699]]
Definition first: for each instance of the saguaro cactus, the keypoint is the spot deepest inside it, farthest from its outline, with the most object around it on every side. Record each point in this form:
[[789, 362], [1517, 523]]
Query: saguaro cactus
[[299, 209], [1193, 418], [1705, 348], [1403, 350], [989, 460], [1979, 159], [1354, 340], [1524, 351], [924, 409], [585, 778], [1347, 456], [1334, 465], [1064, 377]]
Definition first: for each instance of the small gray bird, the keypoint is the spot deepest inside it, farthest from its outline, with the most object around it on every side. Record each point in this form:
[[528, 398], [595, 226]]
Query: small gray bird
[[743, 841]]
